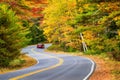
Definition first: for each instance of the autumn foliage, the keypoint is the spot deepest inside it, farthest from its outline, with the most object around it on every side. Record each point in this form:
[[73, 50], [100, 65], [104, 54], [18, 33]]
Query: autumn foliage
[[97, 20], [62, 21]]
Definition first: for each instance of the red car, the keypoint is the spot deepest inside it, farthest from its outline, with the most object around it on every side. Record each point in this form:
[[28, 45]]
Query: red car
[[40, 46]]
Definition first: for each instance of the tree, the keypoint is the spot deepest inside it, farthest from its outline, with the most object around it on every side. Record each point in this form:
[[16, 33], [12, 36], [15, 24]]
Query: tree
[[59, 25], [9, 35], [64, 23], [34, 33]]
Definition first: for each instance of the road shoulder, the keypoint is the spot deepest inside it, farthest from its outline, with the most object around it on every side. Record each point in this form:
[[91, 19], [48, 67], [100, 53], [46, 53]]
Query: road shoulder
[[29, 61]]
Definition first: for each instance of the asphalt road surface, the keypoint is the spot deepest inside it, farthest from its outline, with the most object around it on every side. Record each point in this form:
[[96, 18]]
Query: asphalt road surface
[[52, 66]]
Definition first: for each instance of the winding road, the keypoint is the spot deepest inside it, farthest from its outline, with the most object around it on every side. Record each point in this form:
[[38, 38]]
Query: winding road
[[52, 66]]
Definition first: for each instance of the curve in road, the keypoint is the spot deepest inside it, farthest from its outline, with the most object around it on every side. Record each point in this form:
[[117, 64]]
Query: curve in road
[[41, 70], [53, 67]]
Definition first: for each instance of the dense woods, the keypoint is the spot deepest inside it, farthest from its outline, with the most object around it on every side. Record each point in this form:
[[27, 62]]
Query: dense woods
[[97, 20], [18, 29], [60, 22]]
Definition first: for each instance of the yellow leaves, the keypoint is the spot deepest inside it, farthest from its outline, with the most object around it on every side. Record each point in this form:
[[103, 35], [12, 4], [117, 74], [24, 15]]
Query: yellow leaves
[[100, 47], [117, 18], [62, 33], [57, 13], [86, 6], [47, 30], [81, 0], [66, 31], [3, 8], [118, 23], [81, 10], [28, 3], [119, 32], [64, 39], [76, 43]]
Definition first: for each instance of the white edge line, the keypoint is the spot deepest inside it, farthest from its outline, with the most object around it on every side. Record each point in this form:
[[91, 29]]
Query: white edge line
[[92, 69]]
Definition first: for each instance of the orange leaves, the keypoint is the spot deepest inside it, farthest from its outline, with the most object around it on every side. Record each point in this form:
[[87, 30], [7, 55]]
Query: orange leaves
[[67, 29], [109, 7], [71, 44], [65, 18], [71, 4], [74, 44]]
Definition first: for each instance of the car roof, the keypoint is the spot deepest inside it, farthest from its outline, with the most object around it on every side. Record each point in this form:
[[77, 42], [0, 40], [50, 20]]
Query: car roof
[[40, 43]]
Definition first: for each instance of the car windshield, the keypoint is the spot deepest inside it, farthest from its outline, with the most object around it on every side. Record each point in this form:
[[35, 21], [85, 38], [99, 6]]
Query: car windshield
[[40, 44]]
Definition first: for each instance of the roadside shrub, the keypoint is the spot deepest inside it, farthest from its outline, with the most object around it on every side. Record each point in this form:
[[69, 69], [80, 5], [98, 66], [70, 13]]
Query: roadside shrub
[[16, 62], [114, 55], [112, 47], [93, 52], [70, 49], [55, 47]]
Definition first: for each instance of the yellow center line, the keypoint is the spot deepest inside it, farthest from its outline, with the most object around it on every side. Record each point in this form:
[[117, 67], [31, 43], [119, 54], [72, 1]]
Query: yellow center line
[[41, 70]]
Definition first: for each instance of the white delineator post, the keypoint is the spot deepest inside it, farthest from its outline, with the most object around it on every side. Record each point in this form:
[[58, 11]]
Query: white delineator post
[[83, 43]]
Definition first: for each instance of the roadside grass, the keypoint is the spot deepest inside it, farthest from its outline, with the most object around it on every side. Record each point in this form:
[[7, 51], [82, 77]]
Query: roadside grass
[[17, 64]]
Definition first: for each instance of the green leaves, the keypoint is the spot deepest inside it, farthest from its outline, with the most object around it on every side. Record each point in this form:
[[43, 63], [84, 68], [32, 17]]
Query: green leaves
[[36, 35], [9, 35]]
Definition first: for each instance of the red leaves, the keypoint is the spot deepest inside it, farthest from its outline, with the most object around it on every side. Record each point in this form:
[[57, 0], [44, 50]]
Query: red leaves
[[13, 3], [41, 2], [35, 10]]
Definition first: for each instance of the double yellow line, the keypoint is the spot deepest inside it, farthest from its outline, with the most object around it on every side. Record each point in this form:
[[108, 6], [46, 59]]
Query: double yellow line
[[41, 70]]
